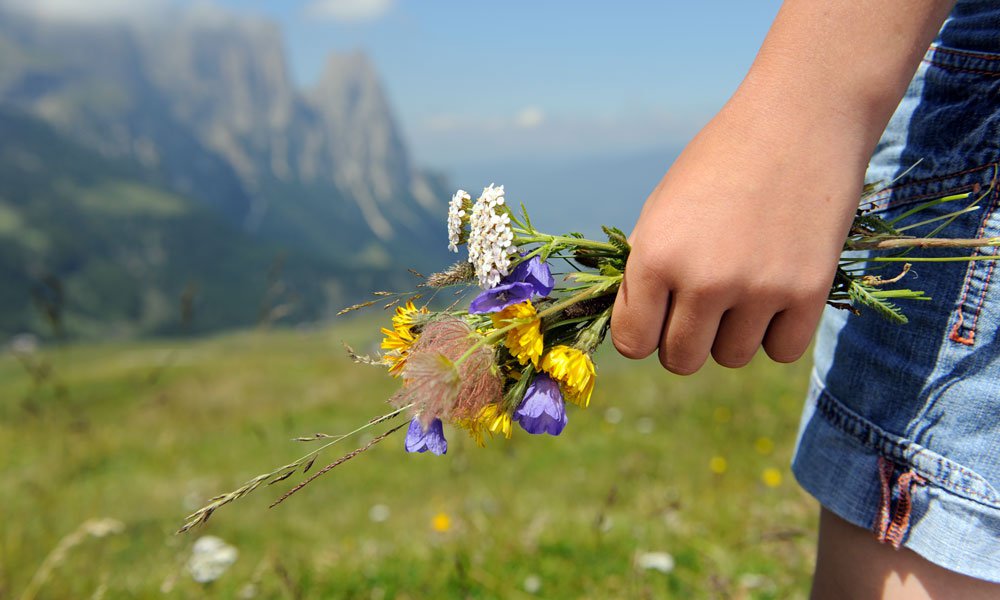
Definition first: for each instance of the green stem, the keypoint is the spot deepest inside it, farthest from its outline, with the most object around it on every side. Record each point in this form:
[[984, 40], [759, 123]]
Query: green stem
[[584, 295], [541, 238], [930, 258], [897, 243], [498, 334]]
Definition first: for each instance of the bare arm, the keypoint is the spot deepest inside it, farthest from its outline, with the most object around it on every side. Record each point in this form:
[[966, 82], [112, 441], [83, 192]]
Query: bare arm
[[738, 244]]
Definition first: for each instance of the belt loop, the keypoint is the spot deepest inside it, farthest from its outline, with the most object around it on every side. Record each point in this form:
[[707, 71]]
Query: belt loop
[[893, 529]]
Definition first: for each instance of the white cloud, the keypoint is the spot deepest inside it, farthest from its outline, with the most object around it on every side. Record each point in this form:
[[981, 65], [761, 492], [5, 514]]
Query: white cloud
[[460, 138], [529, 117], [349, 11], [89, 10]]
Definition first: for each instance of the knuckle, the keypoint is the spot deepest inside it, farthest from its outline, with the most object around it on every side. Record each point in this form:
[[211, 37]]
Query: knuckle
[[629, 345], [784, 354], [733, 359], [711, 289], [678, 364], [811, 292], [682, 369]]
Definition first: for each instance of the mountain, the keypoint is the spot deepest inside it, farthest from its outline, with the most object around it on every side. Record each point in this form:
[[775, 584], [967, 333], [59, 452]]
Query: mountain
[[189, 142], [97, 247]]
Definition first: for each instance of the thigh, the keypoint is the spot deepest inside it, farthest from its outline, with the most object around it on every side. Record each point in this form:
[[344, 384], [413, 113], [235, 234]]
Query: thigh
[[851, 564]]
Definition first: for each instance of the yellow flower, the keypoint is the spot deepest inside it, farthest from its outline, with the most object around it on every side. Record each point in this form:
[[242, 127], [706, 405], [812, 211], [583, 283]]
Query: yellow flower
[[400, 338], [398, 345], [496, 420], [771, 477], [441, 522], [402, 321], [574, 370], [491, 419], [764, 446], [718, 465], [524, 340]]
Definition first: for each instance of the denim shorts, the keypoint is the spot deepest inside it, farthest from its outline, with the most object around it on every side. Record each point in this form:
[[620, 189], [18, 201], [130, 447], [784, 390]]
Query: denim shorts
[[901, 428]]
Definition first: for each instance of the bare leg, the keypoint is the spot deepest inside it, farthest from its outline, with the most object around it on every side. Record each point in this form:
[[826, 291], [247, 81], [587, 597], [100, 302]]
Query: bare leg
[[853, 565]]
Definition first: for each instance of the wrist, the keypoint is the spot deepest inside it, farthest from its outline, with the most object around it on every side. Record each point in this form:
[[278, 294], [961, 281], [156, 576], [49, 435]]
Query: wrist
[[848, 118], [842, 63]]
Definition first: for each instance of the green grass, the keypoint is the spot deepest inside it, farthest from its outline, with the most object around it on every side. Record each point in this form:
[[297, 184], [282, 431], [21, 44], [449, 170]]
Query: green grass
[[121, 198], [144, 432]]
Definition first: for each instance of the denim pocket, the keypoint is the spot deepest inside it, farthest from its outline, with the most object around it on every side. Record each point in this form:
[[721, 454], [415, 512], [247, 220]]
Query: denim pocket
[[981, 185], [964, 61]]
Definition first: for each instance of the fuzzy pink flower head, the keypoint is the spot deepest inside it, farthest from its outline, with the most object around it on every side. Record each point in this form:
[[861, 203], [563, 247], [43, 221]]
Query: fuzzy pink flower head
[[447, 376]]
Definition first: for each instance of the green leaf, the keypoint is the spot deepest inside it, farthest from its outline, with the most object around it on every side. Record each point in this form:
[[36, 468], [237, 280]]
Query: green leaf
[[617, 239], [873, 224], [527, 219], [870, 297]]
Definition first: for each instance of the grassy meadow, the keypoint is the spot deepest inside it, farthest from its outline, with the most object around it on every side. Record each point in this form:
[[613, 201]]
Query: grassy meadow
[[105, 448]]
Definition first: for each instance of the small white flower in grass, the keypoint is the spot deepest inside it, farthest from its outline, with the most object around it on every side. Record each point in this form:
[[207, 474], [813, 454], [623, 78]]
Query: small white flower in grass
[[655, 561], [210, 557], [491, 241], [379, 513], [24, 344], [456, 213], [532, 584]]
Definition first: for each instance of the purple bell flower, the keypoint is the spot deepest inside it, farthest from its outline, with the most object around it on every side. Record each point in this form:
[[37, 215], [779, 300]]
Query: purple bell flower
[[535, 273], [500, 297], [529, 278], [419, 439], [543, 409]]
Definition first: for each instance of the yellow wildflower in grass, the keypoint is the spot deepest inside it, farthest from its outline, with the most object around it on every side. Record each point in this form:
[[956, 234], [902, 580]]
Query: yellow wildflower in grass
[[764, 445], [718, 465], [441, 522], [525, 340], [574, 370], [771, 477]]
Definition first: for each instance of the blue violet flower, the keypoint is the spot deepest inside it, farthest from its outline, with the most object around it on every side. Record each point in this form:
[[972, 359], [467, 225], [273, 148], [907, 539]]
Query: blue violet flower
[[529, 278], [419, 439], [543, 409]]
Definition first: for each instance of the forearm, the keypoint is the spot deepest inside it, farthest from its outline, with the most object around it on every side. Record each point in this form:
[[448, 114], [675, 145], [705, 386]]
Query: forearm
[[842, 62]]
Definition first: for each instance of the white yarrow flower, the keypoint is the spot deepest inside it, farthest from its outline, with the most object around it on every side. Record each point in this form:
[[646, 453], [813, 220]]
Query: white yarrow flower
[[210, 557], [455, 216], [490, 238]]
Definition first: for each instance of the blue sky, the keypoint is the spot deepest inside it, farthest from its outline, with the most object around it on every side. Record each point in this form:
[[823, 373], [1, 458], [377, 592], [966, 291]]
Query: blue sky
[[474, 82], [482, 81]]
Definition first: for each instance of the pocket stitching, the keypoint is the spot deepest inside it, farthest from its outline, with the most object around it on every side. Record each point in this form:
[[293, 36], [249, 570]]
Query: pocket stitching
[[955, 334], [896, 202]]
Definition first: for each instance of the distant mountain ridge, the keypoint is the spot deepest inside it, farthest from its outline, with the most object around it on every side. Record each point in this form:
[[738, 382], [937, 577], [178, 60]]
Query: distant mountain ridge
[[206, 111]]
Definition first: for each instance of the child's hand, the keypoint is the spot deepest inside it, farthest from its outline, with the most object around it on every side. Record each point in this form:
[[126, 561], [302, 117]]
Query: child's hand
[[738, 244]]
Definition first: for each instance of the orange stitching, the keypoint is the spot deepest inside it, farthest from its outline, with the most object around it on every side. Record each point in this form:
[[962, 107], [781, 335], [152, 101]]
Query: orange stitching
[[981, 55], [961, 69], [955, 336], [904, 506], [885, 469], [970, 339], [893, 529]]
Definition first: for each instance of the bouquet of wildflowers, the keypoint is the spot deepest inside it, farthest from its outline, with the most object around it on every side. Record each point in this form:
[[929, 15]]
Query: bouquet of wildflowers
[[521, 351]]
